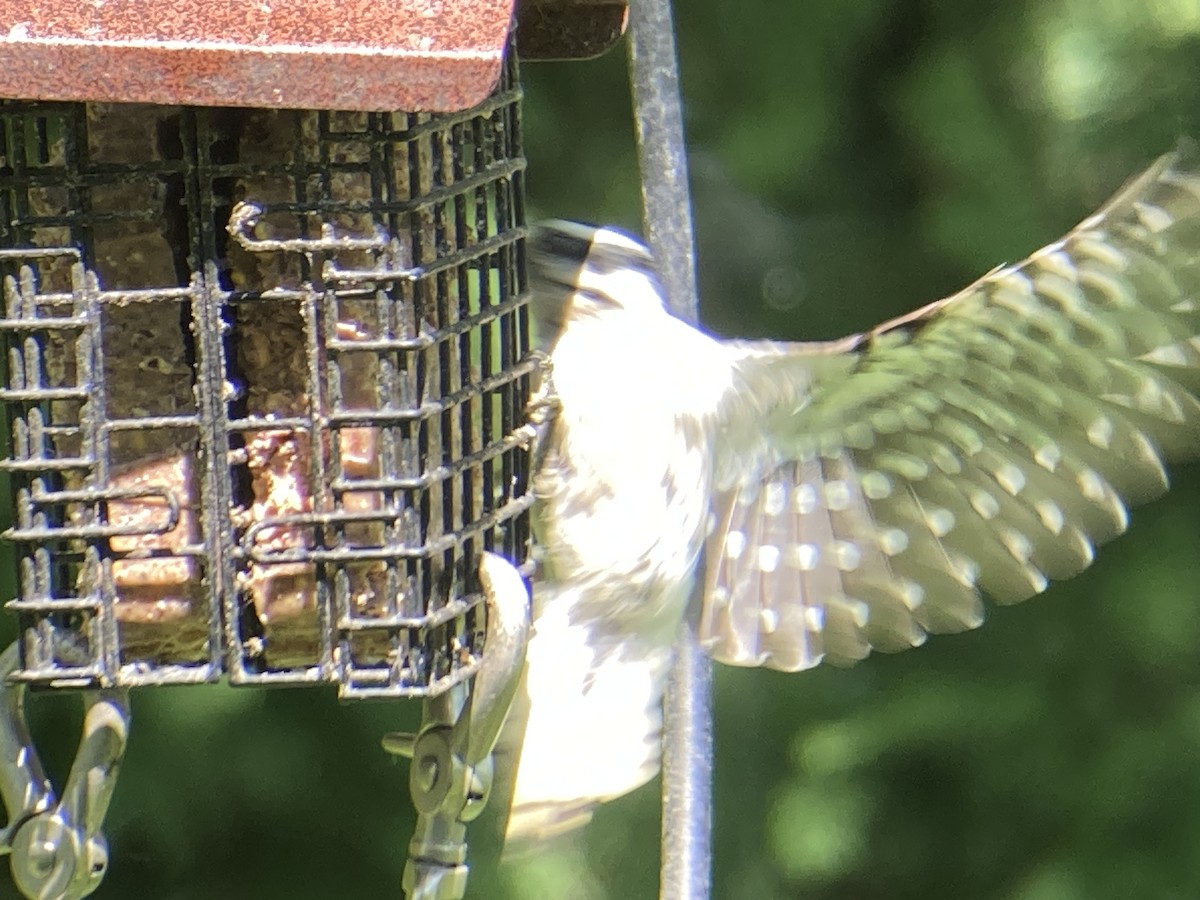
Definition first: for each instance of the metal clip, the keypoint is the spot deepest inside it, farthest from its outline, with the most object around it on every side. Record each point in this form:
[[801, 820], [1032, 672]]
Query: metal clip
[[58, 851], [451, 774]]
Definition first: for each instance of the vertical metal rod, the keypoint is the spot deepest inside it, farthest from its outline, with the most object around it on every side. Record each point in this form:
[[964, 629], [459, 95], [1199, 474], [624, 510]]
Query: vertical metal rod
[[687, 741], [687, 772], [662, 153]]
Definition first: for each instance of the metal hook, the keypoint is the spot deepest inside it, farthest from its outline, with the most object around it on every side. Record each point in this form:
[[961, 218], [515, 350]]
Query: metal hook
[[58, 850], [246, 217], [451, 774]]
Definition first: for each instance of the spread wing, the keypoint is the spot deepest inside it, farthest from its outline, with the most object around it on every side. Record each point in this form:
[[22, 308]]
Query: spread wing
[[985, 444]]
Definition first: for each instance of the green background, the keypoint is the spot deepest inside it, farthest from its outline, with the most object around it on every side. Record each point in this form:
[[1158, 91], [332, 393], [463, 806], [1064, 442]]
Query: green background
[[850, 161]]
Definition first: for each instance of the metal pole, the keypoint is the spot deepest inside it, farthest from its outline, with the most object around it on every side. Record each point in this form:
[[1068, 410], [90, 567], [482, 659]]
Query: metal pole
[[662, 153], [687, 740], [687, 773]]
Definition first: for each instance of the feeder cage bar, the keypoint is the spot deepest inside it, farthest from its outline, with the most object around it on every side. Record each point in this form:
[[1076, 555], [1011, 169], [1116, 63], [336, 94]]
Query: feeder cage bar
[[265, 379]]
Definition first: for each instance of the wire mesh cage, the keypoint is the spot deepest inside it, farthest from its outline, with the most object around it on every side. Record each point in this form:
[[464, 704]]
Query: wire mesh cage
[[265, 380]]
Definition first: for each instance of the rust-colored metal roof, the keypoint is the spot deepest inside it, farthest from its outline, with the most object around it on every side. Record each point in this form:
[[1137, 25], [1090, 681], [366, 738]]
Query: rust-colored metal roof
[[434, 55]]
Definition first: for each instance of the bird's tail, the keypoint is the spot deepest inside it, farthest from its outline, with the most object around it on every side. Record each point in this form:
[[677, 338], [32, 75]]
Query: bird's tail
[[592, 723]]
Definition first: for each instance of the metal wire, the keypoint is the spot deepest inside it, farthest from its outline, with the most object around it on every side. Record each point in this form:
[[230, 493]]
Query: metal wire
[[687, 746], [266, 373]]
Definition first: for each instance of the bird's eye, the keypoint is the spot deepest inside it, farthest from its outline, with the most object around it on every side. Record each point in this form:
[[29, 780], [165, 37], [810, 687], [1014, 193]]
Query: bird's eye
[[564, 247]]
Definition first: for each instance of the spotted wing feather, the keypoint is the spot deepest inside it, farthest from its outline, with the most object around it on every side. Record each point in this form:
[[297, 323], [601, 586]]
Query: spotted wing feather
[[983, 445]]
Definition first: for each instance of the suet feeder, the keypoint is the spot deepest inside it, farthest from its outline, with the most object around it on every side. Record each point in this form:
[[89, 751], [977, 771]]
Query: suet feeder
[[266, 365]]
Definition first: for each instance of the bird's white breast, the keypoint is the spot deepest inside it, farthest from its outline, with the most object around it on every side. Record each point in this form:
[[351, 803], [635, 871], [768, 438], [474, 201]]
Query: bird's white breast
[[634, 437]]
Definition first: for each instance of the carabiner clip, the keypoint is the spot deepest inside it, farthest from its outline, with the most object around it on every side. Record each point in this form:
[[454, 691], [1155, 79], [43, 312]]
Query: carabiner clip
[[58, 849], [451, 774]]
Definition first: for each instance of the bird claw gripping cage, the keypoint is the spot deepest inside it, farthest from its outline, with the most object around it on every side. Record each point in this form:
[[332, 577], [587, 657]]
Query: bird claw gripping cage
[[266, 375]]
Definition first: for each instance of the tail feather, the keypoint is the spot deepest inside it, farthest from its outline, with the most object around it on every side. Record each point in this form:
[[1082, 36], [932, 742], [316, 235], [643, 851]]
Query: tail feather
[[592, 724]]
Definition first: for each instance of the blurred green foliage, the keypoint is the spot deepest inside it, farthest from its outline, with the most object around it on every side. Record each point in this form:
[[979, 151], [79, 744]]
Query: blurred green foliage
[[850, 161]]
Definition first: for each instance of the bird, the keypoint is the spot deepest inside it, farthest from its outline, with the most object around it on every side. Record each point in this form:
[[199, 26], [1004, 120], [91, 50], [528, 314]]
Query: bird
[[830, 498]]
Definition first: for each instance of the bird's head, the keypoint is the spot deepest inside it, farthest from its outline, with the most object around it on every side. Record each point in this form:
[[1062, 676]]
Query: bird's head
[[583, 272]]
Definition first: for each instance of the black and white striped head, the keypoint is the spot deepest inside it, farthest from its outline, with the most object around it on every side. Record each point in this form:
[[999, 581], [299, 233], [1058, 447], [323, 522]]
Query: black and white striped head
[[581, 271]]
